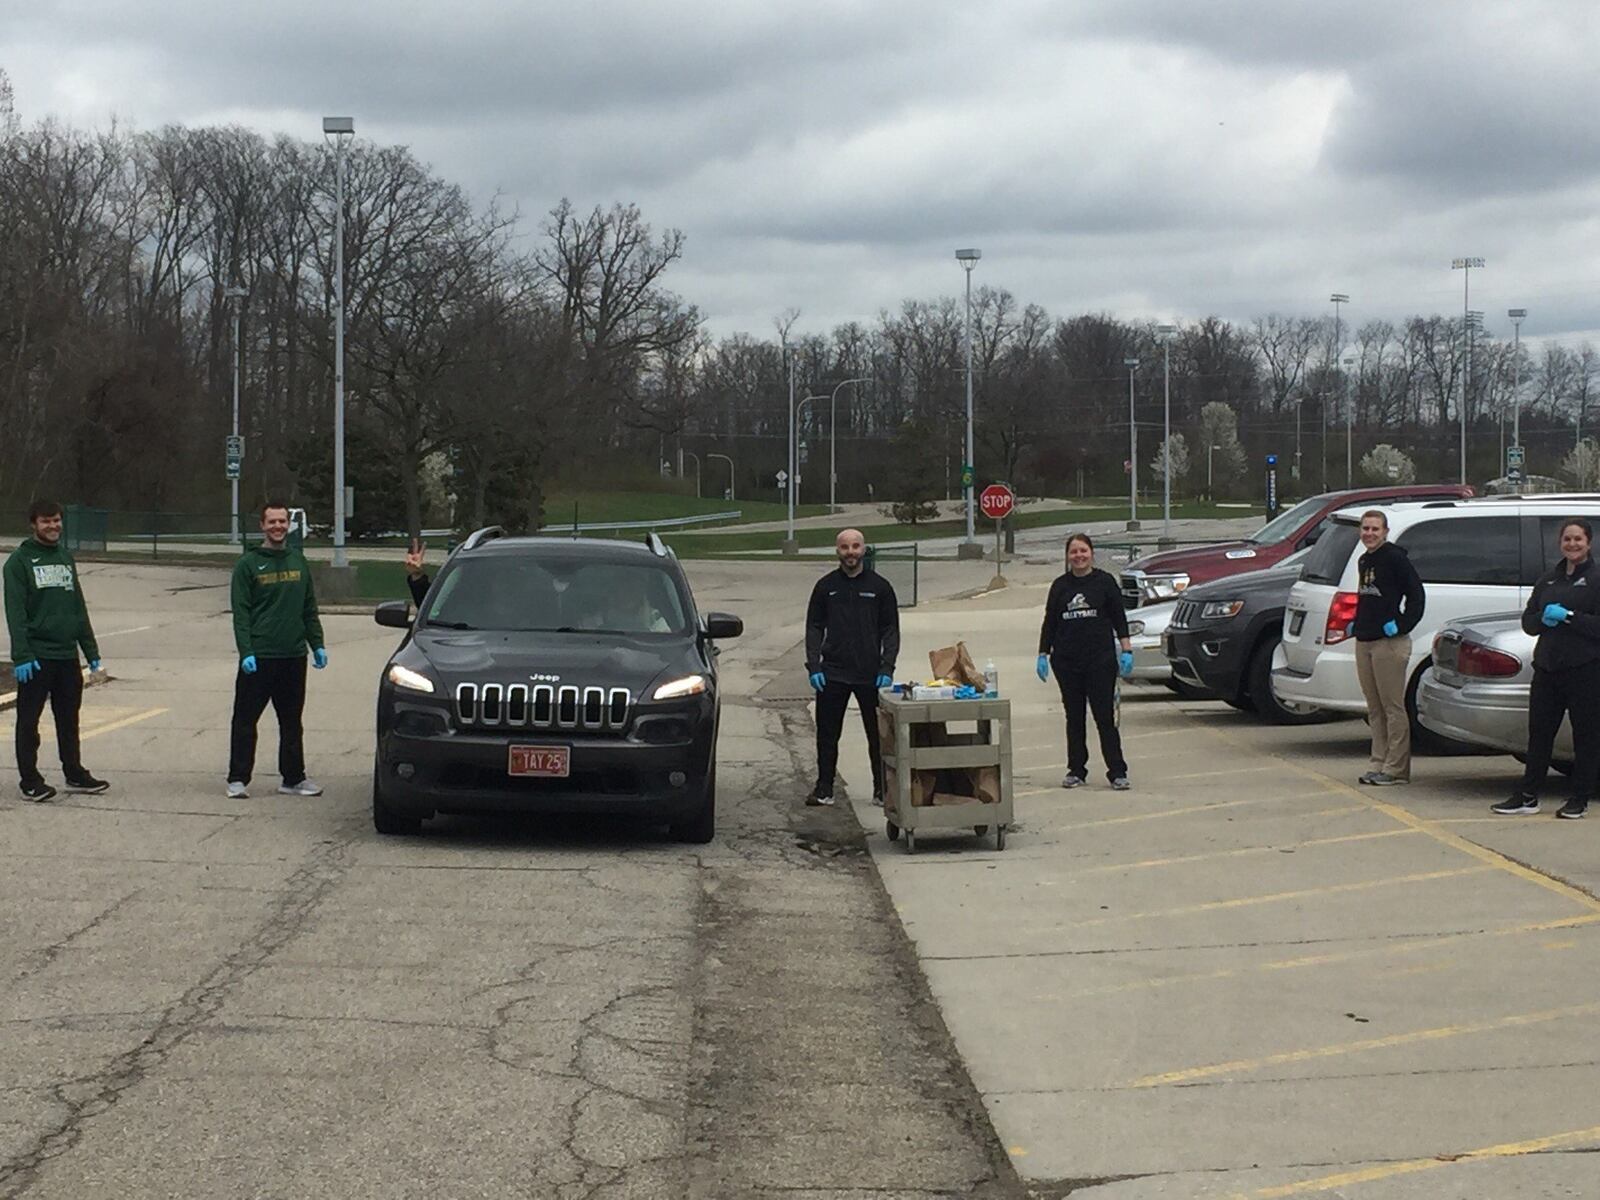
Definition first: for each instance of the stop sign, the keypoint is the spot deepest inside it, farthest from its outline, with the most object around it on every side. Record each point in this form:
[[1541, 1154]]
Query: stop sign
[[996, 501]]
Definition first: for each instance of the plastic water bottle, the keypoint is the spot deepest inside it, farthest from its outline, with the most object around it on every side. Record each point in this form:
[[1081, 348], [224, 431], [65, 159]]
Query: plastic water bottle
[[991, 679]]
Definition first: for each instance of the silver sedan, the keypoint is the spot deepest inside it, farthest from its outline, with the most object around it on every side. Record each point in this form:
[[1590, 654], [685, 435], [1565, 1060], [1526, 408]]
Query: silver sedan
[[1476, 691], [1147, 627]]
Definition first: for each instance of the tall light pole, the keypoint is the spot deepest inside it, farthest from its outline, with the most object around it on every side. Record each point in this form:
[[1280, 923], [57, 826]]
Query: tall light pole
[[1166, 332], [338, 128], [1133, 449], [790, 546], [1517, 315], [729, 459], [1348, 362], [1210, 446], [1336, 300], [969, 259], [794, 452], [1465, 265], [833, 439], [236, 296]]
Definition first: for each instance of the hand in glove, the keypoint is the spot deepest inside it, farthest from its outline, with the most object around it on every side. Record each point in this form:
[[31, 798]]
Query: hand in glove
[[882, 682], [26, 671], [818, 681], [1125, 663], [319, 658], [94, 666], [248, 664], [1554, 614], [1042, 668], [1390, 629]]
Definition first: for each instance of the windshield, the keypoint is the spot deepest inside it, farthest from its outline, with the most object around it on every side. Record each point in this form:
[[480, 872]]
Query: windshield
[[558, 595], [1284, 525]]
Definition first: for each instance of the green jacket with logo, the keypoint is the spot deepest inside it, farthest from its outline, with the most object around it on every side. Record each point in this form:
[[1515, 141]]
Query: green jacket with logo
[[274, 605], [45, 612]]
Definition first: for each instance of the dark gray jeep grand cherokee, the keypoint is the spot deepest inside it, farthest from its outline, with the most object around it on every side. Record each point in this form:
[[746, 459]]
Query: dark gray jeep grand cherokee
[[546, 675]]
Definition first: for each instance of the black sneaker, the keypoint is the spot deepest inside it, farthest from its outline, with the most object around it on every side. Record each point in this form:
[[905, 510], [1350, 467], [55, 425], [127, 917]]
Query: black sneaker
[[814, 801], [39, 793], [877, 798], [1517, 806], [86, 784], [1573, 810]]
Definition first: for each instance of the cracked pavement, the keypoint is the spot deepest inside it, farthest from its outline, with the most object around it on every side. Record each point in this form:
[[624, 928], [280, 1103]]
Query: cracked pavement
[[212, 998]]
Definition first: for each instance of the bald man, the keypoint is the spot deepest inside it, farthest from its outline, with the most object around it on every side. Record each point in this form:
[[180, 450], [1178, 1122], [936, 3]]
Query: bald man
[[852, 640]]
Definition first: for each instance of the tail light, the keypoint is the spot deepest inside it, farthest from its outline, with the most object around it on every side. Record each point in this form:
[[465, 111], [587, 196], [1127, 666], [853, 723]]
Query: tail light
[[1482, 662], [1341, 614]]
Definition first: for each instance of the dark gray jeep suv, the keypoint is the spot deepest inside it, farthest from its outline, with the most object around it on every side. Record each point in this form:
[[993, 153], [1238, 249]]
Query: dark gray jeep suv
[[546, 675]]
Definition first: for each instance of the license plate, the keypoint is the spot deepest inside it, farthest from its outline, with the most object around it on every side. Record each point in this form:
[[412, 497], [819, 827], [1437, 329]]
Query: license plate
[[1296, 620], [546, 762]]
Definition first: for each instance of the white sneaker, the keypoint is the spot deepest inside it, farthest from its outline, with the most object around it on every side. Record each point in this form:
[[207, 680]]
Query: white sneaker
[[236, 790], [306, 787]]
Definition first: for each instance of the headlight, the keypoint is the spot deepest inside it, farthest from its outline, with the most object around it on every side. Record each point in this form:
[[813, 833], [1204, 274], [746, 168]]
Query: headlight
[[412, 681], [689, 685], [1135, 628], [1220, 610], [1164, 587]]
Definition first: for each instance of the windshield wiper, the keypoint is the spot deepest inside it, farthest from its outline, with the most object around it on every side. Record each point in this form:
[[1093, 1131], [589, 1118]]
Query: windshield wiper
[[450, 625]]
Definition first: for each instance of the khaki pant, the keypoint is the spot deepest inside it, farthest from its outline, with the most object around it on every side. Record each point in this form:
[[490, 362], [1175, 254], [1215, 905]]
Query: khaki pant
[[1381, 667]]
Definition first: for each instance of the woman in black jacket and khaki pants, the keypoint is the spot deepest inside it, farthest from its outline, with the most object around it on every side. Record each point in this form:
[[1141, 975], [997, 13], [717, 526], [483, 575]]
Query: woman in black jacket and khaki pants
[[1564, 614], [1388, 607]]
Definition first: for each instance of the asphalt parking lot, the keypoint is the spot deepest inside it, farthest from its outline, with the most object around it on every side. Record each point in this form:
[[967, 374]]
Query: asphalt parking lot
[[1251, 976], [1247, 977]]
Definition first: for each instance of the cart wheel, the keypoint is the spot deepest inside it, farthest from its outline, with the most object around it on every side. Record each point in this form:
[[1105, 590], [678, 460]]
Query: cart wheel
[[999, 837], [980, 830], [911, 842], [893, 830]]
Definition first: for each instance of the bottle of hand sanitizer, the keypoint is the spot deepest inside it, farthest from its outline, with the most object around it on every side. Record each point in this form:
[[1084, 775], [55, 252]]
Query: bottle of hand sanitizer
[[991, 679]]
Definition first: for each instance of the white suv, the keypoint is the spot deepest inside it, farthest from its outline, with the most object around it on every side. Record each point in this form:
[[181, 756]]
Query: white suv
[[1474, 556]]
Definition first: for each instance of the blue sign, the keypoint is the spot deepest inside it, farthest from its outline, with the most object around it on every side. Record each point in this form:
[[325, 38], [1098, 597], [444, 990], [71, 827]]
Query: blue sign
[[1272, 460]]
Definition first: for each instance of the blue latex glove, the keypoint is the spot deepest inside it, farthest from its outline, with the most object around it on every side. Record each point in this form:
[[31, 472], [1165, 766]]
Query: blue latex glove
[[94, 666], [319, 658], [1554, 614], [882, 682], [1390, 629], [248, 664], [1042, 668], [26, 671], [1125, 663], [818, 681]]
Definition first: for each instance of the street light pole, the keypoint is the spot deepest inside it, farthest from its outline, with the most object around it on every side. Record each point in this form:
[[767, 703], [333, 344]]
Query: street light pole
[[1133, 449], [729, 459], [833, 440], [1517, 315], [1166, 332], [696, 457], [1348, 362], [790, 543], [1465, 265], [338, 128], [969, 259], [236, 296], [1336, 299], [1210, 494]]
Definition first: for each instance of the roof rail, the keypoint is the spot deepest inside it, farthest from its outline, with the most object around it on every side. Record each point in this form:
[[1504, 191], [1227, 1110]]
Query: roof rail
[[478, 537]]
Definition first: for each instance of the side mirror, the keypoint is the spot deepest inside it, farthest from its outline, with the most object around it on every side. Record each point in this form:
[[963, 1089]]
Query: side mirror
[[723, 625], [396, 614]]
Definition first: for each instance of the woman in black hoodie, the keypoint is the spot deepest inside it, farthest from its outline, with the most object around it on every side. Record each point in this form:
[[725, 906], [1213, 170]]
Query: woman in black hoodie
[[1564, 614], [1389, 605]]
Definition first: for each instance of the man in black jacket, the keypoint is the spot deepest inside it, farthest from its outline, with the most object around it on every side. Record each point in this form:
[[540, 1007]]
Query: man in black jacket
[[1389, 605], [852, 641]]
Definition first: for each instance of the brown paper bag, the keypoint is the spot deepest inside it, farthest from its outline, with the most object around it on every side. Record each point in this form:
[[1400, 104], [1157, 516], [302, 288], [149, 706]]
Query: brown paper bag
[[953, 662]]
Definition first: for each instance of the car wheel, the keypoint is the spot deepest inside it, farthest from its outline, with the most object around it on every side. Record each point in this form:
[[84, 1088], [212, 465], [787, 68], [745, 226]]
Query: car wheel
[[1188, 691], [701, 827], [385, 820], [1267, 705]]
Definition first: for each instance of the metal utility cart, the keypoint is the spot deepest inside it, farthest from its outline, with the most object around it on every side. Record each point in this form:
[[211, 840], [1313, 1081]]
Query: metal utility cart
[[910, 747]]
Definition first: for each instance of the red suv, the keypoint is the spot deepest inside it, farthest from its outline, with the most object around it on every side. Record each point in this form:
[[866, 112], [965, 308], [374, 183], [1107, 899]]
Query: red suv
[[1162, 576]]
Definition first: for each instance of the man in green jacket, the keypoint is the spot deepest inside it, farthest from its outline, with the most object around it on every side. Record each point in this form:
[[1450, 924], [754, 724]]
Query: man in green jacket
[[274, 620], [49, 623]]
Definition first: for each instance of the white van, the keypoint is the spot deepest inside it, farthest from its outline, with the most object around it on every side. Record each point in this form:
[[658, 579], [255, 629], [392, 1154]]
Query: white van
[[1474, 556]]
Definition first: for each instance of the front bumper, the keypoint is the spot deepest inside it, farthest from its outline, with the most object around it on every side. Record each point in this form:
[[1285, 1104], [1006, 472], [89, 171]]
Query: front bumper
[[425, 765], [1206, 658], [1150, 663]]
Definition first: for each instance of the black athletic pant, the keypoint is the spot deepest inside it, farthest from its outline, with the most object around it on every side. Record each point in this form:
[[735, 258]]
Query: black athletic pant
[[282, 681], [61, 683], [1094, 684], [1555, 694], [832, 700]]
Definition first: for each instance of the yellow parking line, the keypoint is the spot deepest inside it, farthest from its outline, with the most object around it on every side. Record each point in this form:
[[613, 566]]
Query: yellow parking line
[[122, 724], [1239, 1065], [1209, 774], [1432, 828], [1187, 910], [1328, 1183], [1192, 858]]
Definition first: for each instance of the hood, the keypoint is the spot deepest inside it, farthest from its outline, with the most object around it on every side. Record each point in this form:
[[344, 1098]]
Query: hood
[[1246, 583], [1202, 560], [579, 659]]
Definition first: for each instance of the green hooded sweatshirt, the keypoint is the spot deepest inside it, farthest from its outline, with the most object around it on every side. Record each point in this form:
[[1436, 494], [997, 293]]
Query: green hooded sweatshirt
[[45, 611], [274, 606]]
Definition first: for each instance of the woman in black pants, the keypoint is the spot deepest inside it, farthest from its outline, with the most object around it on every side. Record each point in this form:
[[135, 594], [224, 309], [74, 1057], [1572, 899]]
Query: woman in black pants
[[1564, 614], [1083, 621]]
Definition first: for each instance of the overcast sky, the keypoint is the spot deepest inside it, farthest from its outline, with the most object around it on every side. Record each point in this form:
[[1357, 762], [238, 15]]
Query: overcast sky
[[1147, 158]]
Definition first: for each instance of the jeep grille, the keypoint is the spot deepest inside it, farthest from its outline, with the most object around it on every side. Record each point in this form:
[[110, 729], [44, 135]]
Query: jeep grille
[[545, 706]]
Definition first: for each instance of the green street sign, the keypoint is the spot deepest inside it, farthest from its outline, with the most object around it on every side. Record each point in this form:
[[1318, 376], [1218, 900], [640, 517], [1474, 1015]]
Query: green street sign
[[966, 475]]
